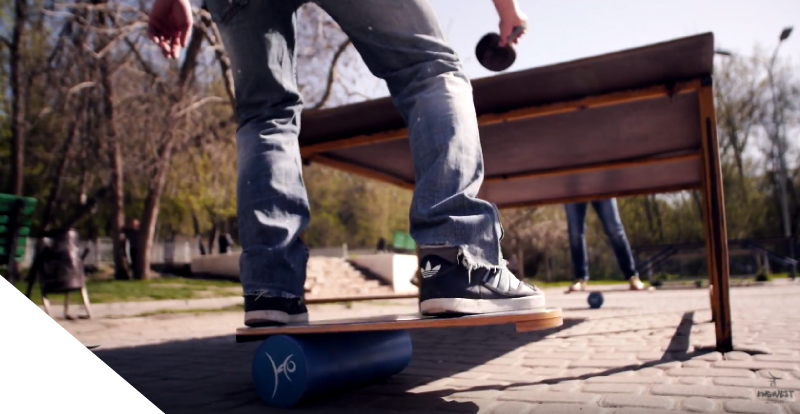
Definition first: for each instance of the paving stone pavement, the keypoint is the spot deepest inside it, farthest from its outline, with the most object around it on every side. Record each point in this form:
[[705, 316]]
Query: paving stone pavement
[[642, 352]]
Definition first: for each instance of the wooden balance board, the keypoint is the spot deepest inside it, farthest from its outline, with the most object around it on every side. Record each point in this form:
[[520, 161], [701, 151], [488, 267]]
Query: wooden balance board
[[301, 362]]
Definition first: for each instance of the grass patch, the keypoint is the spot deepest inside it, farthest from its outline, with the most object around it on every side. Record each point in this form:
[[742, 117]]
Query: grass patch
[[781, 275], [109, 291]]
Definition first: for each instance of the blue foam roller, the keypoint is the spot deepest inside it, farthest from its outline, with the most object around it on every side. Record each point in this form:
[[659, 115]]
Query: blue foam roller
[[290, 369], [595, 300]]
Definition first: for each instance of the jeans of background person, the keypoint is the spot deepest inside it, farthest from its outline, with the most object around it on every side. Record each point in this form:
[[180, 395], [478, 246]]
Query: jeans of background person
[[608, 214], [225, 243], [402, 43]]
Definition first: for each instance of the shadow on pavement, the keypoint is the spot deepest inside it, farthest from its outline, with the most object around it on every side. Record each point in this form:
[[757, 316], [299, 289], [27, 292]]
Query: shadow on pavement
[[213, 375], [676, 351]]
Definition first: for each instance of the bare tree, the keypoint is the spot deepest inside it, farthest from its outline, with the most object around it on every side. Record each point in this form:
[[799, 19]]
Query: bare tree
[[782, 117], [534, 230], [121, 112], [739, 97], [17, 92]]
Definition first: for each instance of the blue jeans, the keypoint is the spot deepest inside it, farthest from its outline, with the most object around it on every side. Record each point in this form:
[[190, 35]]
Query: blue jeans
[[401, 43], [612, 224]]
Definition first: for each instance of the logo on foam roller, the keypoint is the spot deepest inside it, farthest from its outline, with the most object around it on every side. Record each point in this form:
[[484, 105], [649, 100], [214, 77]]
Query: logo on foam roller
[[286, 367]]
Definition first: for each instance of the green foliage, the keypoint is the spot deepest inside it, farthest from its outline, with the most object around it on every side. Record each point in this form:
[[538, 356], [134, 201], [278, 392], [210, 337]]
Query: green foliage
[[352, 210], [200, 184]]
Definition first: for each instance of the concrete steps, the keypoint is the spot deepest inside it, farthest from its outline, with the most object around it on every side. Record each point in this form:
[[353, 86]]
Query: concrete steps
[[331, 277]]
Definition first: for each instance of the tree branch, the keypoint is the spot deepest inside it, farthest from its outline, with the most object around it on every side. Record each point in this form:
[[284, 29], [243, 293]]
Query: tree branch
[[192, 51], [87, 208], [214, 39], [332, 74], [58, 178], [148, 70], [198, 104]]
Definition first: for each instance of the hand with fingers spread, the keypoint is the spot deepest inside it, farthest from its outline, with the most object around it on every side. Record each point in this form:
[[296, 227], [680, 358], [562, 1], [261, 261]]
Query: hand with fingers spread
[[511, 17], [170, 25]]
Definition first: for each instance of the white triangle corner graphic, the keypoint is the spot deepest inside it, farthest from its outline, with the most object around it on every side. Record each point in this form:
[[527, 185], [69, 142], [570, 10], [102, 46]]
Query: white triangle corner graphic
[[43, 368]]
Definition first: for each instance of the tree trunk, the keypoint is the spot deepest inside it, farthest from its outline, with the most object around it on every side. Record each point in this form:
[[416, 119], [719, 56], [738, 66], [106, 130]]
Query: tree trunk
[[737, 154], [212, 236], [698, 203], [548, 265], [141, 267], [110, 146], [198, 238], [659, 222], [17, 118], [649, 213], [121, 270], [58, 180], [794, 214]]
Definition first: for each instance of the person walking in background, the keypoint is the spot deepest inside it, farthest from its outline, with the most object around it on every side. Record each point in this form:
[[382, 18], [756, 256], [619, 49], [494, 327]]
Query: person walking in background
[[608, 214], [381, 248], [225, 243], [132, 238]]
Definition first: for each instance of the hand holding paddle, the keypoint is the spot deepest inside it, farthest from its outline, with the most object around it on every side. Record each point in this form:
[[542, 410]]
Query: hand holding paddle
[[496, 51], [497, 54]]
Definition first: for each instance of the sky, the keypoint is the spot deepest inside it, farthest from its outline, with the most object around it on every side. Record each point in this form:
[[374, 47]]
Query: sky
[[565, 30]]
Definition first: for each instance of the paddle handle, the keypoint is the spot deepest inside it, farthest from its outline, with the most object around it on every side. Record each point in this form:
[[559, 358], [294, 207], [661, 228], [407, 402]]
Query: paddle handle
[[517, 32]]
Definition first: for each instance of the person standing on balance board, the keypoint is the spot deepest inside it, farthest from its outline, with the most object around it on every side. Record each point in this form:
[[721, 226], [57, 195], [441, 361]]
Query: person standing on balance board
[[401, 42]]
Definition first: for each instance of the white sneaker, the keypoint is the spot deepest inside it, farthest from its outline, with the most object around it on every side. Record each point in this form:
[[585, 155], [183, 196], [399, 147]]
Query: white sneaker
[[579, 285], [636, 284]]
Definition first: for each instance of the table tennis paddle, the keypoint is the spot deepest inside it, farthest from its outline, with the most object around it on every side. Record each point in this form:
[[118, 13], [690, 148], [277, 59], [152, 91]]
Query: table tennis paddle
[[496, 58]]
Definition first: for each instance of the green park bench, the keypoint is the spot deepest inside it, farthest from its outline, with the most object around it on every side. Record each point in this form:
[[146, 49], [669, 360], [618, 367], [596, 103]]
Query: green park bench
[[403, 242], [15, 226]]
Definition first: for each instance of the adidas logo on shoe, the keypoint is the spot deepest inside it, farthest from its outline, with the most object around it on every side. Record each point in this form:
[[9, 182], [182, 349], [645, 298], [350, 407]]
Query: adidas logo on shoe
[[428, 272]]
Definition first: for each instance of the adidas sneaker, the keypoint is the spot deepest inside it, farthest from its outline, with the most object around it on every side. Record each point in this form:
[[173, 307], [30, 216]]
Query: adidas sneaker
[[448, 287], [264, 310]]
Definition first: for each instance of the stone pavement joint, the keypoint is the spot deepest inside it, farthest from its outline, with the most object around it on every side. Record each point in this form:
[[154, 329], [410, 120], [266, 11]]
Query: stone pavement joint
[[698, 404], [640, 401], [751, 407], [710, 372]]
